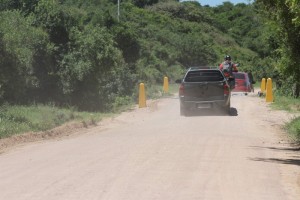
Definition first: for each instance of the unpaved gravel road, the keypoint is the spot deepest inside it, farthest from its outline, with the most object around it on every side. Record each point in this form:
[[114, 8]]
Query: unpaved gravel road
[[154, 153]]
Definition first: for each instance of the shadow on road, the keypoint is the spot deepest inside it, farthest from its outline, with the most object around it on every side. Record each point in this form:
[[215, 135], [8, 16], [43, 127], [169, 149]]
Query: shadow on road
[[233, 112], [277, 160], [211, 112], [294, 149], [293, 160]]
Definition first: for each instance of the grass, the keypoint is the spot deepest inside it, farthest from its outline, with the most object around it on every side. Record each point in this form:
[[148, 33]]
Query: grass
[[174, 88], [286, 103], [21, 119], [156, 91], [291, 105], [293, 128]]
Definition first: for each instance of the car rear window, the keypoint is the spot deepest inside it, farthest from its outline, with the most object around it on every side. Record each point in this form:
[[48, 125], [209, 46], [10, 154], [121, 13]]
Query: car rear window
[[201, 76], [239, 75]]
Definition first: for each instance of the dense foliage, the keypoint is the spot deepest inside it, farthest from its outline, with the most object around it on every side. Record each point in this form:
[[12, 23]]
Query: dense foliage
[[82, 53], [285, 26]]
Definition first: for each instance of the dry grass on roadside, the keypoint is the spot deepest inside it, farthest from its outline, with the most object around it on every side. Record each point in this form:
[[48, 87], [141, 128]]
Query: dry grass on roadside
[[16, 120], [286, 103], [291, 105]]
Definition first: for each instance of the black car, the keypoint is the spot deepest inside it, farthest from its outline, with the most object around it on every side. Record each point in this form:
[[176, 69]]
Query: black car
[[204, 88]]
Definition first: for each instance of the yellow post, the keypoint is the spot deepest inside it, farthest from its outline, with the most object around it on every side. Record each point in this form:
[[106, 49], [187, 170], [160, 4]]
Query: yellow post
[[166, 84], [263, 85], [269, 92], [142, 96]]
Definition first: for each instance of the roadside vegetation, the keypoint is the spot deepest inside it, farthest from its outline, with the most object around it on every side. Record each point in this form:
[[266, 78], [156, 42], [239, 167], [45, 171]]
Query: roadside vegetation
[[21, 119], [18, 119], [286, 102], [293, 128], [81, 54], [292, 105]]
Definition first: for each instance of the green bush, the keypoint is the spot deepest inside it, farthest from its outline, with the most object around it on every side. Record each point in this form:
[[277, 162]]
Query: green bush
[[293, 128], [122, 103]]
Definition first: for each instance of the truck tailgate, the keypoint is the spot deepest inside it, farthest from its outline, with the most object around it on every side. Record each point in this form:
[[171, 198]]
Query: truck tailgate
[[204, 91]]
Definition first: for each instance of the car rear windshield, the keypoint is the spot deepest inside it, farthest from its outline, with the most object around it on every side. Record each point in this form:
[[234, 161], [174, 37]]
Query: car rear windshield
[[239, 75], [204, 76]]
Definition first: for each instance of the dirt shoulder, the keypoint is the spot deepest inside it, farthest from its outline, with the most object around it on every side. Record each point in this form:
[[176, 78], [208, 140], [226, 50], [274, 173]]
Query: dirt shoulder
[[69, 129]]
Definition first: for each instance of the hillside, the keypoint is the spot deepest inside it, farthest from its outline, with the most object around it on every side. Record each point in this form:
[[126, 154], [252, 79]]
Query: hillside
[[81, 53]]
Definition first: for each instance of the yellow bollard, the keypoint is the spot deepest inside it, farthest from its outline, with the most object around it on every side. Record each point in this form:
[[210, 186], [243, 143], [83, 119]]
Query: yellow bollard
[[269, 91], [263, 85], [142, 96], [166, 84]]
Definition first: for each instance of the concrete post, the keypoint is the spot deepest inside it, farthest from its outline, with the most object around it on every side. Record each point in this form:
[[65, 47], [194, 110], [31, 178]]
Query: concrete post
[[166, 84], [142, 96], [269, 91]]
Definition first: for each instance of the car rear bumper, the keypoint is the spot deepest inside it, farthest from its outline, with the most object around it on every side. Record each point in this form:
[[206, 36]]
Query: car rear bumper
[[190, 105]]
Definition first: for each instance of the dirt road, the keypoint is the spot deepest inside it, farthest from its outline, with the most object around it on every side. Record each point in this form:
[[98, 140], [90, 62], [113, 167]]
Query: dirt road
[[154, 153]]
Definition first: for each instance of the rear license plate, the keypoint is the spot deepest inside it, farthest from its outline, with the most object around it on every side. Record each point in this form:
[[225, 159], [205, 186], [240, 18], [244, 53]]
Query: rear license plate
[[203, 105]]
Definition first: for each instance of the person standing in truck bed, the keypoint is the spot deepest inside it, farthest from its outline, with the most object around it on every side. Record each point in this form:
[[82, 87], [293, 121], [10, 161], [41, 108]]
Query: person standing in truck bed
[[228, 67]]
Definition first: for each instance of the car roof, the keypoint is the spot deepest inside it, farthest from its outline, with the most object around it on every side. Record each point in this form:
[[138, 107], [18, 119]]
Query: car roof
[[201, 67]]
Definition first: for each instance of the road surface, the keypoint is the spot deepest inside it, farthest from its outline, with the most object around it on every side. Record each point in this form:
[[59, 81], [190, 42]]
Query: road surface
[[154, 153]]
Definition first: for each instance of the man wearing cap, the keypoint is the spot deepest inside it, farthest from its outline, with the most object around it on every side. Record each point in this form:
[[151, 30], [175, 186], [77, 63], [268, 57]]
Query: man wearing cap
[[228, 67]]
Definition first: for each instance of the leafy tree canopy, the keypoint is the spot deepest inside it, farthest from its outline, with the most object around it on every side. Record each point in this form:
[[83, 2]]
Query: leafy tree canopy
[[82, 53]]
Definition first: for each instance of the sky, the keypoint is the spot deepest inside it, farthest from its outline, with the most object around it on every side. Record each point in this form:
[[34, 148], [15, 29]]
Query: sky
[[220, 2]]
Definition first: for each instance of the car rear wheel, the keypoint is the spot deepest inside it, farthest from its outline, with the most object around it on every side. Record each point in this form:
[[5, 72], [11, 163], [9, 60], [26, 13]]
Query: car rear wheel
[[228, 109], [182, 111]]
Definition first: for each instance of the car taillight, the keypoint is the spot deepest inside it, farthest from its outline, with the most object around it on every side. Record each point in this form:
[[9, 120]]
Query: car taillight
[[181, 90], [226, 89]]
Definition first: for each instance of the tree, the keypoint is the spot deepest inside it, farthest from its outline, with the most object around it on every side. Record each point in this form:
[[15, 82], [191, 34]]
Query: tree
[[76, 52], [25, 6], [126, 40], [285, 15], [143, 3], [20, 43], [93, 72]]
